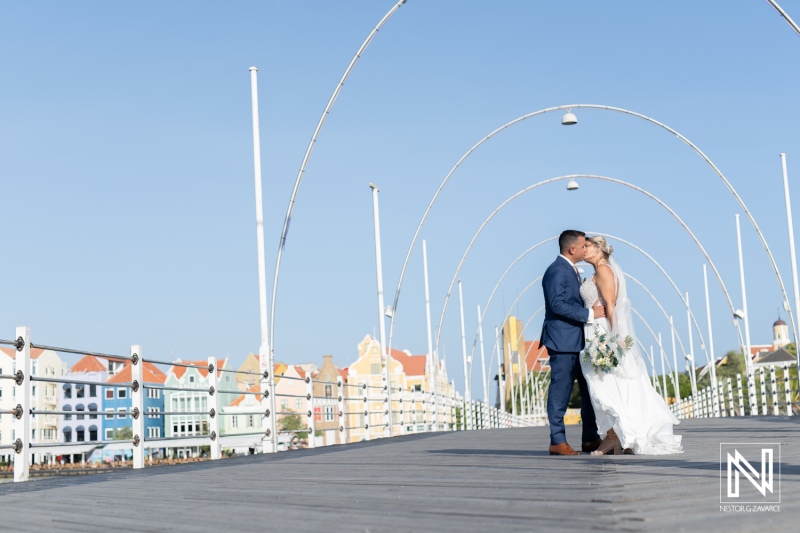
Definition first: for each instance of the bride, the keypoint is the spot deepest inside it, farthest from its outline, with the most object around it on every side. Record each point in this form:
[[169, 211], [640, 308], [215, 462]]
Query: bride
[[630, 413]]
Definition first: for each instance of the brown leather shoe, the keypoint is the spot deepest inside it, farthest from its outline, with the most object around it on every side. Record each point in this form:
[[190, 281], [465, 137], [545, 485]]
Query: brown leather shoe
[[563, 449], [589, 447]]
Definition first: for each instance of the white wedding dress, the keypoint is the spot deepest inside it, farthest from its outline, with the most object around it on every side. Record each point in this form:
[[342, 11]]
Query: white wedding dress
[[624, 398]]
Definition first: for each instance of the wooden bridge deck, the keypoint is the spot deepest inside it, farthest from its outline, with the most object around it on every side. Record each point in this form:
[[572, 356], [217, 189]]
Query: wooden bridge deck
[[496, 480]]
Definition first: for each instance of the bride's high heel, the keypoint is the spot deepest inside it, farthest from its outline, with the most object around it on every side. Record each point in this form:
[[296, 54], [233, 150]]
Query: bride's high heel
[[610, 445]]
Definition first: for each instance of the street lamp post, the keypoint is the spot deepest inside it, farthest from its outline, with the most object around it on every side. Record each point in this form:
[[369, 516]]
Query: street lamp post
[[748, 361], [467, 392], [385, 361], [792, 253], [270, 444], [713, 362]]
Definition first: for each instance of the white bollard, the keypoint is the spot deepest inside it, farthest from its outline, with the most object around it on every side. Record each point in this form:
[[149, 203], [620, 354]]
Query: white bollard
[[763, 381]]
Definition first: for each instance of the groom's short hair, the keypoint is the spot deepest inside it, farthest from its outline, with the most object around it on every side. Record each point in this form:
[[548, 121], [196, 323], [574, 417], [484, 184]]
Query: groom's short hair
[[568, 238]]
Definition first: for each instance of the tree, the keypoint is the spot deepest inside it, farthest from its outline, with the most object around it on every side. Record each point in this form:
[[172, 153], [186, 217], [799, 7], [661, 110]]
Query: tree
[[125, 433], [293, 423]]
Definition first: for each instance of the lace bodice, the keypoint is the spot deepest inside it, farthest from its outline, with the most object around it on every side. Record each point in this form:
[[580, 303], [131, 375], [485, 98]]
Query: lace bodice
[[590, 294]]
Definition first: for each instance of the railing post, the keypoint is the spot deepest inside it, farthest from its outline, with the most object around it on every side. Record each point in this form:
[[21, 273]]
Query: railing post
[[730, 397], [310, 413], [367, 407], [22, 423], [137, 405], [774, 381], [740, 395], [763, 381], [721, 396], [340, 409], [435, 424], [213, 410], [388, 429], [751, 391], [269, 405], [787, 389]]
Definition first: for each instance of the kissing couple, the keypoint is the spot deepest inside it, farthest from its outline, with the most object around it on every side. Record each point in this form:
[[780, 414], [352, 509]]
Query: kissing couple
[[620, 409]]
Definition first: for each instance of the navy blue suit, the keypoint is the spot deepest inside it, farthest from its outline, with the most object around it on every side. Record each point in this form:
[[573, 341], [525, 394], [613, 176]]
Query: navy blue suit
[[562, 335]]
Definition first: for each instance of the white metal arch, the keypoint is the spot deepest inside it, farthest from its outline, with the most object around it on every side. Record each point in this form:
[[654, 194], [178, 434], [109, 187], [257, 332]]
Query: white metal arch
[[604, 108]]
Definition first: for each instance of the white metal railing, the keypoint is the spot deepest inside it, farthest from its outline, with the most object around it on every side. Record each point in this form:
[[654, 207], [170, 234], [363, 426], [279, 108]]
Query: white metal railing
[[762, 393], [360, 411]]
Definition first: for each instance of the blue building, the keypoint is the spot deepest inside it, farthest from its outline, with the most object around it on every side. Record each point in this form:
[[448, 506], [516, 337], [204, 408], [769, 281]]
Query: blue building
[[117, 404]]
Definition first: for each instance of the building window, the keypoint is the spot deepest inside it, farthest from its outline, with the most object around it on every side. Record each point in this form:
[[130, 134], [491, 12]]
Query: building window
[[251, 421], [298, 403], [109, 393], [92, 433], [285, 405], [93, 391], [79, 432], [109, 434], [329, 414], [122, 413], [109, 413], [67, 435], [153, 432], [417, 388], [93, 409], [79, 408], [80, 390], [328, 391], [67, 408], [153, 393], [191, 379], [234, 422], [122, 393], [67, 390], [375, 368]]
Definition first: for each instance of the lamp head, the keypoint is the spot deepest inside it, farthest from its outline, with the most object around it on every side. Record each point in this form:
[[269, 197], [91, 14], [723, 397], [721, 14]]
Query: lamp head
[[738, 314], [569, 118], [572, 185]]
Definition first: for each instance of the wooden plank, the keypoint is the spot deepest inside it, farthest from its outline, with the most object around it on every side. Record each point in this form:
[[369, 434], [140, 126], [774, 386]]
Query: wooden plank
[[501, 480]]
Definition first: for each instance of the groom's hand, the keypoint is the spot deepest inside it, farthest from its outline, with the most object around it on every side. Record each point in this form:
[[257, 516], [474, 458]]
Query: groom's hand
[[598, 310]]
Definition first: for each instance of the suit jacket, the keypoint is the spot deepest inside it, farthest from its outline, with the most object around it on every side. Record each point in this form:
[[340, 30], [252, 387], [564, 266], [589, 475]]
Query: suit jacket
[[565, 314]]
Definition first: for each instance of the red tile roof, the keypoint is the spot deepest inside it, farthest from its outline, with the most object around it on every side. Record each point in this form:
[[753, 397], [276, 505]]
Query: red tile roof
[[240, 399], [179, 371], [88, 363], [413, 365], [152, 374], [11, 352]]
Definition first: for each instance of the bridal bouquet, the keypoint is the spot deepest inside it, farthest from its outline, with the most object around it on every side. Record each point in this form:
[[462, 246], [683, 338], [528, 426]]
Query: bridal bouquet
[[604, 351]]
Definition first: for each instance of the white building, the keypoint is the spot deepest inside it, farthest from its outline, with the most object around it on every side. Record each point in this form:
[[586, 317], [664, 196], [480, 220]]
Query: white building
[[44, 397]]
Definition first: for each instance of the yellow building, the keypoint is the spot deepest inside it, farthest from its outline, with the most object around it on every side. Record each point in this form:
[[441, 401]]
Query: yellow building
[[412, 406]]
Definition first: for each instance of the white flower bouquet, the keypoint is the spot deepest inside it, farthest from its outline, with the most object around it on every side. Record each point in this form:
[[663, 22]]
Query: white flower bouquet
[[604, 351]]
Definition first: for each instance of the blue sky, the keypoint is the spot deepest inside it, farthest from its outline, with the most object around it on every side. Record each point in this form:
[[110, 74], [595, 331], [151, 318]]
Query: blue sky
[[126, 163]]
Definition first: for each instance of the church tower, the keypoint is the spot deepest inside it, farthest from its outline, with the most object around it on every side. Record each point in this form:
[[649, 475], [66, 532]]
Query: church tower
[[780, 332]]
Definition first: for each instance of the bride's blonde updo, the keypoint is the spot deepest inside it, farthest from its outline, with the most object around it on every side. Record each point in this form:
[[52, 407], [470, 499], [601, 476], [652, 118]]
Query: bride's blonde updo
[[602, 243]]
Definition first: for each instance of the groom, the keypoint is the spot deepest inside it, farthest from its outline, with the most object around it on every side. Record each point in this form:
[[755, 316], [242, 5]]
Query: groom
[[562, 335]]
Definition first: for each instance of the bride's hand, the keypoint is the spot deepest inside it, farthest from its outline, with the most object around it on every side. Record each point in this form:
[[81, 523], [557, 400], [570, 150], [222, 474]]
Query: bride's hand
[[598, 310]]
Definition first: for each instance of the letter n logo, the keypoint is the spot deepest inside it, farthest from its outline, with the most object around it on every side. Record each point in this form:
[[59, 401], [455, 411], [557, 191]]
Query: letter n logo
[[761, 481], [741, 460]]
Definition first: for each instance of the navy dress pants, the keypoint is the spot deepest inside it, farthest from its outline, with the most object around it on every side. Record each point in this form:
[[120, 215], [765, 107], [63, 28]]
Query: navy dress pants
[[565, 368]]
